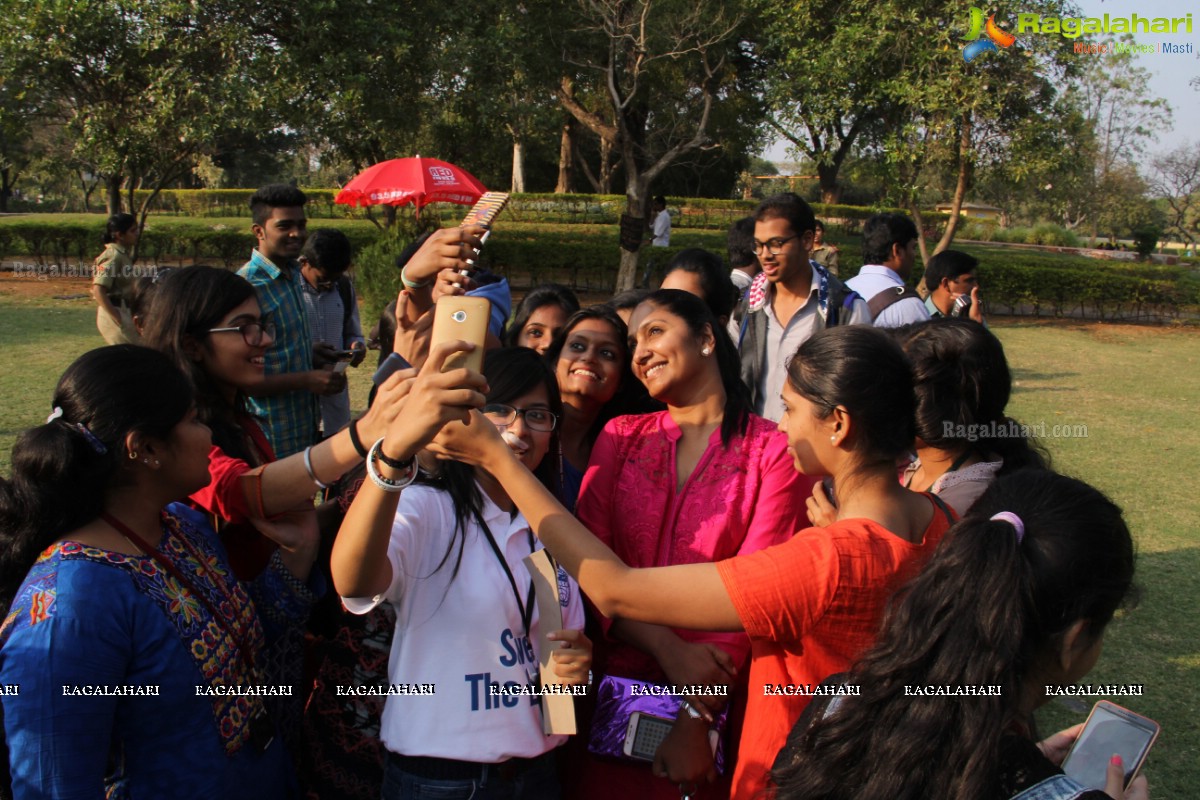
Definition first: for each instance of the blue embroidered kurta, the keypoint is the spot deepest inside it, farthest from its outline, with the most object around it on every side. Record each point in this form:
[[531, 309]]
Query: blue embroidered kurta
[[86, 617]]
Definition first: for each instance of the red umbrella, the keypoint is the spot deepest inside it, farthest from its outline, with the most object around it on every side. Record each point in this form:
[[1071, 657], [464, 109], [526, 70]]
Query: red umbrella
[[417, 180]]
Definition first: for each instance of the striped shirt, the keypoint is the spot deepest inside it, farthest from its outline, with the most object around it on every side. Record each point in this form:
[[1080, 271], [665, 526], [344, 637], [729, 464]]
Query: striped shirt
[[289, 419], [329, 322]]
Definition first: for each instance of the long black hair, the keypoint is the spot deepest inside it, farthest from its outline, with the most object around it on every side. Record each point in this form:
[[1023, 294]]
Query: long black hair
[[696, 313], [187, 303], [985, 611], [61, 470], [963, 385], [861, 369], [511, 373]]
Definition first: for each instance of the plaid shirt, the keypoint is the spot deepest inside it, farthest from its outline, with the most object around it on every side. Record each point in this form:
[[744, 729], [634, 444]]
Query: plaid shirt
[[289, 420]]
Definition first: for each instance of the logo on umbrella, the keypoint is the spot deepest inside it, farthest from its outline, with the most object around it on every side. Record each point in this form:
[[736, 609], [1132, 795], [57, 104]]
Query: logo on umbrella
[[441, 175]]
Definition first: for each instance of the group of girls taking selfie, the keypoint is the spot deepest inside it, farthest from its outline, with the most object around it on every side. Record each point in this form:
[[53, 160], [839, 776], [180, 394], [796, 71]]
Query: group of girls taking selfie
[[159, 568]]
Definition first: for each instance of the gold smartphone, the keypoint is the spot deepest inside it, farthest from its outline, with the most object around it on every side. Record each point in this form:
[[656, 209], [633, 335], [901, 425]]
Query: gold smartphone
[[466, 318]]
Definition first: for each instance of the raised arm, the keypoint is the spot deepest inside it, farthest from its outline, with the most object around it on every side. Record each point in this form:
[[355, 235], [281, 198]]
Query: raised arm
[[359, 561], [685, 596]]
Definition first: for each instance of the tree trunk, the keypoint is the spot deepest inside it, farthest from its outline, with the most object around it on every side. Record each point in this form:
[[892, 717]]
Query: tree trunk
[[112, 199], [5, 189], [960, 188], [633, 234], [389, 216], [518, 166], [566, 157], [606, 166], [87, 192], [827, 174], [915, 209]]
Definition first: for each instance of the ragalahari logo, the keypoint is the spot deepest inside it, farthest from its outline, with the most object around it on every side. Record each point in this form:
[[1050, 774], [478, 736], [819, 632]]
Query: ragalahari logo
[[995, 35]]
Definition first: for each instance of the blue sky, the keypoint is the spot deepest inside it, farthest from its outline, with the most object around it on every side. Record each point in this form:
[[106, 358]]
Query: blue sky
[[1170, 74]]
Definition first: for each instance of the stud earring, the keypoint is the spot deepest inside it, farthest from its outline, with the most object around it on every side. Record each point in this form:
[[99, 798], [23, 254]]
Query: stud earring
[[706, 351], [133, 455], [833, 439]]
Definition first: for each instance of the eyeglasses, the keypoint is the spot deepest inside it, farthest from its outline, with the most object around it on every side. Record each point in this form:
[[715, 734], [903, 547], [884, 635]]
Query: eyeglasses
[[252, 332], [772, 246], [538, 419]]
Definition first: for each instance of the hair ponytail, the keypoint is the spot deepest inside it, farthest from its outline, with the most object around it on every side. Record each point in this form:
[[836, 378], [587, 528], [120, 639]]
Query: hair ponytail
[[62, 470], [985, 609]]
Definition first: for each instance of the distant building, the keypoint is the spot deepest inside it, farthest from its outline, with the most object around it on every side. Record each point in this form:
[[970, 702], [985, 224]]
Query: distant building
[[975, 211]]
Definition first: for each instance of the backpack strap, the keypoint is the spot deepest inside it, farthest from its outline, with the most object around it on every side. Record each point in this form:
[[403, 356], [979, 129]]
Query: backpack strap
[[841, 299], [890, 295]]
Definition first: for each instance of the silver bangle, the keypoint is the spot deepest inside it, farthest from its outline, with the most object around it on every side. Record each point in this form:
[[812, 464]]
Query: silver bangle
[[308, 466], [387, 484]]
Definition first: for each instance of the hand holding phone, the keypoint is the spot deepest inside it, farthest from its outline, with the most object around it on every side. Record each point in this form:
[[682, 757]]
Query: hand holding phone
[[485, 210], [1110, 729], [465, 318]]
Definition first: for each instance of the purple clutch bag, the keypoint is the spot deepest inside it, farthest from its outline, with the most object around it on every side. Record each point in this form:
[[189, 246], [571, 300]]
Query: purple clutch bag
[[617, 699]]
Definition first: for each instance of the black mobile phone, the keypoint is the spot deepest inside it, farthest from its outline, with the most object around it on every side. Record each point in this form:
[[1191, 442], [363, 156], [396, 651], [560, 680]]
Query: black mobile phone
[[1110, 729], [393, 363]]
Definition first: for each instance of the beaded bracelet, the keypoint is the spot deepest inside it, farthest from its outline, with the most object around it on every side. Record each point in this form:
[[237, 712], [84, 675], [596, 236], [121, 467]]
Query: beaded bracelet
[[388, 484], [308, 466]]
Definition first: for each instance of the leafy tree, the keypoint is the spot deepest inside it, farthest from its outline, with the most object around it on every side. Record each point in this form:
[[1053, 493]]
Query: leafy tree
[[141, 87], [1176, 181], [664, 65], [825, 71]]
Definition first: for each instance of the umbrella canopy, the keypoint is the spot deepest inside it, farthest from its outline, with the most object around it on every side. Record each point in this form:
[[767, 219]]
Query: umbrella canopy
[[416, 180]]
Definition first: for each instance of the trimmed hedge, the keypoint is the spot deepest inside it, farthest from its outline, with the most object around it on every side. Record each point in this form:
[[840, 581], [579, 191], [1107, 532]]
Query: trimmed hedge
[[586, 256], [568, 209], [78, 243]]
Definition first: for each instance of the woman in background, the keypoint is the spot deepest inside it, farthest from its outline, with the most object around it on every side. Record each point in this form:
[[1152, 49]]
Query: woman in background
[[540, 317], [113, 278], [964, 439], [703, 274]]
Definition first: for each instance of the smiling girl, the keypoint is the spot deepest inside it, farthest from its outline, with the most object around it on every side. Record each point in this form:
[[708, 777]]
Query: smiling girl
[[702, 481], [447, 554]]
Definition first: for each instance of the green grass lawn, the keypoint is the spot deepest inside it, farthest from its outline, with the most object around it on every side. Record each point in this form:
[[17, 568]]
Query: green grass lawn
[[1134, 389]]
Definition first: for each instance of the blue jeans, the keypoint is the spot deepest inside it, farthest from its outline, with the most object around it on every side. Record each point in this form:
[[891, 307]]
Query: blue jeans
[[539, 781]]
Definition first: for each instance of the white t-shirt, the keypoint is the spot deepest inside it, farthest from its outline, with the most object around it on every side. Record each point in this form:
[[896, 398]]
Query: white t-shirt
[[462, 635], [662, 229]]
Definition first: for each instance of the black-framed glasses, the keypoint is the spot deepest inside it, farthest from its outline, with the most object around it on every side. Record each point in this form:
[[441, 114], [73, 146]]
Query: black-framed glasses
[[539, 419], [252, 332], [773, 246]]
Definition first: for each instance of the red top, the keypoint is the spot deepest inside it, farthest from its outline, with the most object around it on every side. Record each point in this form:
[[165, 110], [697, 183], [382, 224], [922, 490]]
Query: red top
[[811, 605], [225, 501]]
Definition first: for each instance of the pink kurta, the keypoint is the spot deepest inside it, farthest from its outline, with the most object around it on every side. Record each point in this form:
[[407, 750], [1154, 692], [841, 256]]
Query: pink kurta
[[738, 500]]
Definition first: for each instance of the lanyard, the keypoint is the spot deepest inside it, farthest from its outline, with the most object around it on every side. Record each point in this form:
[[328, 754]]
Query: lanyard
[[526, 607], [229, 625]]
